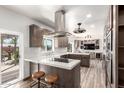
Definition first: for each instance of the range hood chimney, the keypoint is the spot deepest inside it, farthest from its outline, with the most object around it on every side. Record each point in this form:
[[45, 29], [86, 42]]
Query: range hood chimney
[[60, 25], [60, 21]]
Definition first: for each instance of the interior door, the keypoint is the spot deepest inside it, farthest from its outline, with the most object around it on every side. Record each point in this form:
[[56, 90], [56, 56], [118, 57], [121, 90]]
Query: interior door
[[9, 58]]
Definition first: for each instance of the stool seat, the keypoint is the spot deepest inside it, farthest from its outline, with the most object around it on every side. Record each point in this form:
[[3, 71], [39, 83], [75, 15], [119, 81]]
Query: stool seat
[[51, 78], [38, 74]]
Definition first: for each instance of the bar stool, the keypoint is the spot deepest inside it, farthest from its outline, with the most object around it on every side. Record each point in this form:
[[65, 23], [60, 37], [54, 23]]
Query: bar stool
[[36, 76], [51, 79]]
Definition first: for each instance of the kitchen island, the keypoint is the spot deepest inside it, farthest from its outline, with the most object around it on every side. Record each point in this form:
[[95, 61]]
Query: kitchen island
[[68, 72]]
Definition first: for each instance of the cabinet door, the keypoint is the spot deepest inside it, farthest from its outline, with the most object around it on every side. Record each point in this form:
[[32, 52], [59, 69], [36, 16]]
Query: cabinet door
[[35, 36]]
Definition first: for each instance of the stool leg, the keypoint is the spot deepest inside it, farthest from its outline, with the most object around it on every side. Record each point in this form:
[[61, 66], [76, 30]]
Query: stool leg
[[38, 82]]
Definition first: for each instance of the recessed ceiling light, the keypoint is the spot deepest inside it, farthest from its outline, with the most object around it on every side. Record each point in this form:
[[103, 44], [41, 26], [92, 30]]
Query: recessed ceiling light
[[88, 15], [92, 26]]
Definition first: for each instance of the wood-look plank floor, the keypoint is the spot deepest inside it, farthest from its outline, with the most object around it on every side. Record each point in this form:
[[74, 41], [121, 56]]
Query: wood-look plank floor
[[92, 77]]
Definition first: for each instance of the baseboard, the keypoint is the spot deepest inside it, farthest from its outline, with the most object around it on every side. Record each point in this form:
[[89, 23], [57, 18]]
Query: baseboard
[[27, 78]]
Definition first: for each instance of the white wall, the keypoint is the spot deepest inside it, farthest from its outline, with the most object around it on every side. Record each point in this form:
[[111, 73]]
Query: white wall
[[15, 22]]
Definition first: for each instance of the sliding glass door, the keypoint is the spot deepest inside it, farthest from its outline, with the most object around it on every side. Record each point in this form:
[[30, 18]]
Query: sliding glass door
[[9, 58]]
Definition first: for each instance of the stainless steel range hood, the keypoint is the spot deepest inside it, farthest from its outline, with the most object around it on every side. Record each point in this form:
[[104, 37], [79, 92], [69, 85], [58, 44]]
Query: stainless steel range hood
[[60, 25], [60, 35]]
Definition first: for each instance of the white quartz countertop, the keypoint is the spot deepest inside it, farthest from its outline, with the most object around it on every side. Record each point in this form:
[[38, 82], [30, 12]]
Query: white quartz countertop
[[47, 61]]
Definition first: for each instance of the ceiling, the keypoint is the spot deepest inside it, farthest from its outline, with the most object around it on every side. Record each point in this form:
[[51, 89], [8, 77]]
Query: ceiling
[[74, 14]]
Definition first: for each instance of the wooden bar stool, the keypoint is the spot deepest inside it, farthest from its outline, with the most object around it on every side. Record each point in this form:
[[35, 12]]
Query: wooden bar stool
[[37, 78], [51, 79]]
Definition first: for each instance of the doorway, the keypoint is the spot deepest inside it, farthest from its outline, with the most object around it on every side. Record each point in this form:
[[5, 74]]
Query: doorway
[[11, 58]]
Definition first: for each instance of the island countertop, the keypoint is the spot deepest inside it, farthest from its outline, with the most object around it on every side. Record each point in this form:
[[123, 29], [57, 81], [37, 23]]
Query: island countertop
[[47, 61], [67, 72]]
